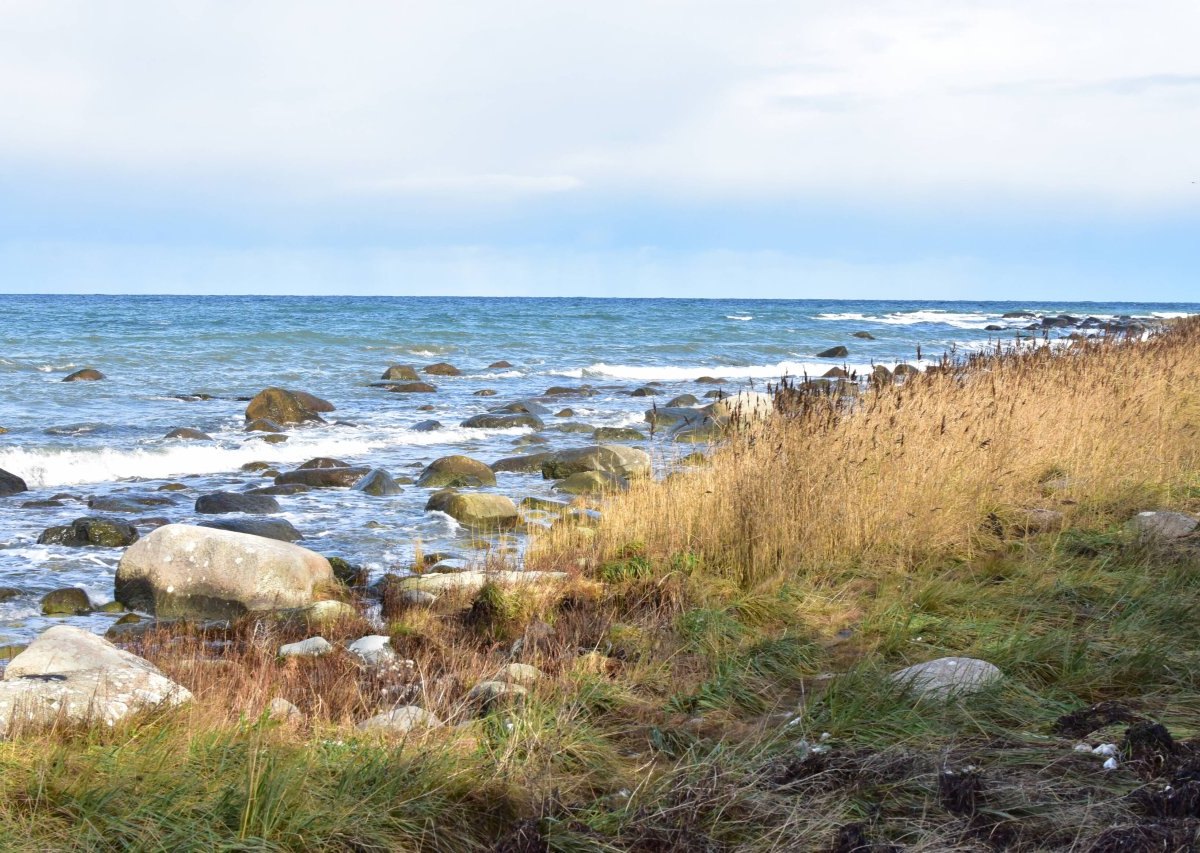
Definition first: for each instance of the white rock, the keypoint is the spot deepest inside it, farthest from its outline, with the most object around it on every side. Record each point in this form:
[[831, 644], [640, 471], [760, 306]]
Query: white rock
[[72, 675], [946, 677], [1161, 525], [746, 406], [373, 649], [1106, 749], [1111, 764], [520, 673], [403, 719], [284, 711], [312, 647], [489, 692]]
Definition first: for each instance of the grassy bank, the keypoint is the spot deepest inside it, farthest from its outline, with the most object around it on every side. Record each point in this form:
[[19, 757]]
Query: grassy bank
[[716, 672]]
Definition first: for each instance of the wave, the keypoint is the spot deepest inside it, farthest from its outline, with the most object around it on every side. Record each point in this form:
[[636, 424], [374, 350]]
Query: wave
[[742, 317], [663, 373]]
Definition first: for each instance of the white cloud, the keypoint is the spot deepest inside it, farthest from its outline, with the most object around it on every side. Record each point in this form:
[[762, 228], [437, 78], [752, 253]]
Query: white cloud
[[879, 101]]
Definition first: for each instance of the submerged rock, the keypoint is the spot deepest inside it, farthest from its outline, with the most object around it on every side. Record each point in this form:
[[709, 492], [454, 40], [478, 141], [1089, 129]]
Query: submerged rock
[[405, 372], [279, 529], [618, 434], [410, 388], [834, 352], [185, 571], [188, 434], [263, 425], [494, 421], [66, 602], [222, 502], [88, 374], [70, 675], [378, 483], [456, 471], [323, 478], [442, 369], [96, 531]]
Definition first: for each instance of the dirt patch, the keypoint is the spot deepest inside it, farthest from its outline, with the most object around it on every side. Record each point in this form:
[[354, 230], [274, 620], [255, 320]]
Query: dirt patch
[[1147, 838], [1083, 722]]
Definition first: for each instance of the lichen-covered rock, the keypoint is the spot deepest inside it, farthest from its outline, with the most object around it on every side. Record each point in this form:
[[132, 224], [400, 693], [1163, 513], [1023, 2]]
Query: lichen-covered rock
[[185, 571], [591, 483], [456, 472], [1149, 526], [616, 459], [71, 675], [280, 406], [477, 510], [223, 502], [66, 602], [946, 677], [11, 484], [95, 531]]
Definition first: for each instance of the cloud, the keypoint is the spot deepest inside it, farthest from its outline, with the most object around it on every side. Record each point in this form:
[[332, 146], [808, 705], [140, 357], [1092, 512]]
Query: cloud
[[503, 185]]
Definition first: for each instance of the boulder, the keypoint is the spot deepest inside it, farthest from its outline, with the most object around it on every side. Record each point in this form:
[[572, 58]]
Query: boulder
[[66, 602], [530, 464], [69, 675], [311, 648], [682, 401], [426, 426], [521, 407], [443, 369], [744, 407], [834, 352], [477, 510], [128, 502], [281, 407], [710, 380], [669, 416], [378, 483], [323, 478], [11, 484], [188, 434], [644, 391], [618, 434], [866, 336], [88, 374], [494, 421], [96, 531], [493, 694], [222, 502], [1150, 526], [185, 571], [562, 391], [499, 365], [279, 529], [373, 650], [591, 483], [285, 489], [835, 373], [319, 462], [946, 677], [401, 720], [7, 593], [695, 432], [520, 673], [456, 472], [484, 392], [281, 710], [617, 459], [404, 372], [312, 402]]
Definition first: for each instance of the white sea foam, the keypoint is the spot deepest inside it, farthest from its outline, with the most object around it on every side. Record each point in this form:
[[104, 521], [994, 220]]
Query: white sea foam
[[911, 318], [742, 317], [662, 373]]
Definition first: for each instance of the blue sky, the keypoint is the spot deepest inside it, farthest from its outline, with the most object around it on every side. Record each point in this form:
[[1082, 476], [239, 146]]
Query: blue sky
[[918, 149]]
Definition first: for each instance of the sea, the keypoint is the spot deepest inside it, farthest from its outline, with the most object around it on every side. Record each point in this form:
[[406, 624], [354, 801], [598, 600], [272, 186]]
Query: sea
[[182, 361]]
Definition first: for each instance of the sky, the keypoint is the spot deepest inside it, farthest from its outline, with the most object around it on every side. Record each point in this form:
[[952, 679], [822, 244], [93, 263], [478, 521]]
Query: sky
[[939, 149]]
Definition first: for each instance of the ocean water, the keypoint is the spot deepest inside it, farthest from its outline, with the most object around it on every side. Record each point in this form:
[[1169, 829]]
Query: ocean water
[[87, 439]]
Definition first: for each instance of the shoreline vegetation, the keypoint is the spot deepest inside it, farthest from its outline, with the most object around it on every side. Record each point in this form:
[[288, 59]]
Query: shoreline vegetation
[[715, 668]]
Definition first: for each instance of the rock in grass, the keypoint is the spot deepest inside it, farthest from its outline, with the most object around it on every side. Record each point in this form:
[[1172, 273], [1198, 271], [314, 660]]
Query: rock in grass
[[66, 602], [401, 720], [378, 483], [11, 484], [282, 407], [373, 650], [616, 459], [473, 581], [95, 531], [477, 510], [946, 677], [310, 648], [180, 570], [457, 472], [282, 711], [88, 374], [279, 529], [1160, 526], [403, 372], [73, 676], [744, 407], [218, 503], [493, 694], [520, 673]]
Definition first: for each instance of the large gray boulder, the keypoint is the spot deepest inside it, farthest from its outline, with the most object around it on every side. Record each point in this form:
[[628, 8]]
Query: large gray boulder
[[69, 675], [626, 462], [947, 677], [222, 502], [456, 471], [11, 484], [1151, 526], [477, 510], [180, 570]]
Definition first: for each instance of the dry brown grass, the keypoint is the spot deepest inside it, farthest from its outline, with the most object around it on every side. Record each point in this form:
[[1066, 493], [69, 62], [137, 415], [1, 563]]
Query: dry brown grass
[[930, 469]]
